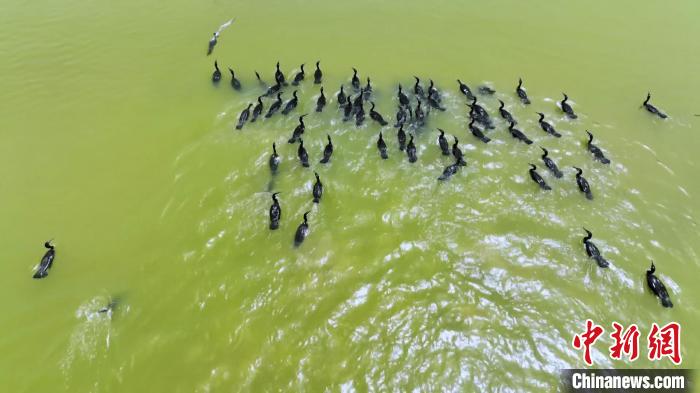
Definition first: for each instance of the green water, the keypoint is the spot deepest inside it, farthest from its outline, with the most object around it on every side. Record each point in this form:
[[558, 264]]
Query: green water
[[114, 142]]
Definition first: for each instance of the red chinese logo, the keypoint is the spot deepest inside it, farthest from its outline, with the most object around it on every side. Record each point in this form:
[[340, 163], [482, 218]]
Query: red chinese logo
[[627, 343], [586, 339], [665, 342]]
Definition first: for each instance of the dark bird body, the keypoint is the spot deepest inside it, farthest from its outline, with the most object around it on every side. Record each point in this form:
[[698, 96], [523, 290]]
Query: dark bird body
[[355, 81], [341, 96], [235, 83], [401, 136], [403, 98], [257, 110], [381, 145], [465, 90], [216, 76], [485, 90], [401, 116], [566, 108], [376, 116], [411, 151], [298, 130], [457, 153], [212, 43], [519, 135], [417, 89], [546, 127], [449, 171], [321, 101], [275, 106], [274, 159], [275, 212], [291, 104], [318, 74], [550, 164], [442, 141], [505, 114], [302, 231], [327, 151], [46, 261], [299, 77], [477, 132], [243, 117], [583, 184], [302, 154], [419, 115], [597, 153], [657, 287], [537, 178], [347, 110], [279, 76], [521, 93], [318, 189], [592, 251], [652, 109]]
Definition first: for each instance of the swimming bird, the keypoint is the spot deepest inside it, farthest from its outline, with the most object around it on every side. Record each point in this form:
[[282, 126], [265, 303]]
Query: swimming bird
[[302, 231], [477, 132], [235, 83], [302, 154], [381, 145], [318, 189], [486, 90], [550, 164], [537, 178], [411, 150], [299, 77], [355, 81], [519, 135], [257, 110], [400, 116], [274, 89], [597, 153], [298, 130], [435, 104], [442, 141], [212, 42], [592, 251], [417, 89], [291, 104], [522, 94], [216, 76], [583, 184], [368, 90], [357, 102], [433, 92], [275, 212], [457, 153], [347, 110], [401, 135], [318, 74], [450, 170], [419, 114], [321, 102], [546, 127], [341, 96], [274, 159], [652, 109], [465, 90], [260, 81], [505, 114], [279, 76], [403, 98], [243, 117], [327, 151], [566, 108], [46, 261], [359, 112], [480, 114], [275, 106], [658, 287], [376, 116]]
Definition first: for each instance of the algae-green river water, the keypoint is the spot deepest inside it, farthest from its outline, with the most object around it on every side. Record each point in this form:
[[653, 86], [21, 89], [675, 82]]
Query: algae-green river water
[[115, 143]]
